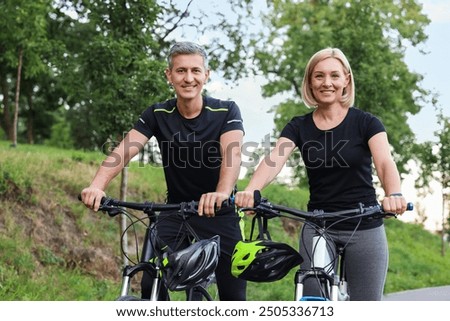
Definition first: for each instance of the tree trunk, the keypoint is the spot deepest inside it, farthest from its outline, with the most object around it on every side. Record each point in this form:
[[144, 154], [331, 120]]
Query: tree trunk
[[7, 126], [16, 106], [30, 118]]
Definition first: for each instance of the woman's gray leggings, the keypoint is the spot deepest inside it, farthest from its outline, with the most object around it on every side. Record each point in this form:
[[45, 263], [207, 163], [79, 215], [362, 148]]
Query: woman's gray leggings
[[366, 261]]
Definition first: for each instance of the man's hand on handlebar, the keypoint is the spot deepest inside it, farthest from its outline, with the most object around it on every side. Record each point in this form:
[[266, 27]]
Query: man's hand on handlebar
[[246, 199], [210, 203], [91, 197]]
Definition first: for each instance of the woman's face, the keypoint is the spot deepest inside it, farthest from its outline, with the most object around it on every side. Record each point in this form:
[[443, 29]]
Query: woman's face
[[188, 75], [328, 80]]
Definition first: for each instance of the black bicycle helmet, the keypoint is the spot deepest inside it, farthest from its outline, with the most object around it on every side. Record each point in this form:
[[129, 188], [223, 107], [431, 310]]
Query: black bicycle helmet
[[263, 260], [191, 266]]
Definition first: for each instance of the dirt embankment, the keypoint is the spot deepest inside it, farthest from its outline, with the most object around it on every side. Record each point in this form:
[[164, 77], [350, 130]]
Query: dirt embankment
[[53, 230]]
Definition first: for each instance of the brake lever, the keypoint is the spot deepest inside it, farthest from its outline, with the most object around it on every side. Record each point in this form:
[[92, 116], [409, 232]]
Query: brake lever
[[111, 210], [264, 209]]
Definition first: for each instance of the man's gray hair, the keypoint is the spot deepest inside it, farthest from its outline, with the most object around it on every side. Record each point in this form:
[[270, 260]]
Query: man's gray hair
[[187, 48]]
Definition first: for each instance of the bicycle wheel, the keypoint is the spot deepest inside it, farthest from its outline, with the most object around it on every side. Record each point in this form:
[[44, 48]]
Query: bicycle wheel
[[207, 290]]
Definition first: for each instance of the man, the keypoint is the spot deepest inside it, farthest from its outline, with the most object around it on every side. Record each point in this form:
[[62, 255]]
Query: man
[[200, 140]]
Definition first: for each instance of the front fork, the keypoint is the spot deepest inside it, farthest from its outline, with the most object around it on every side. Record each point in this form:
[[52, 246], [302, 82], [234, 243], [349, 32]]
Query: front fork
[[325, 279], [130, 271], [144, 265], [334, 286]]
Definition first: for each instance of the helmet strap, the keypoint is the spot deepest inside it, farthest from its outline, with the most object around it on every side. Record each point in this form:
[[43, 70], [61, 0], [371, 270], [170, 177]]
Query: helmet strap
[[263, 232]]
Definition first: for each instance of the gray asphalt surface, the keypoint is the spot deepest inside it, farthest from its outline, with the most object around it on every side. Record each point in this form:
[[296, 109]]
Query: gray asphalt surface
[[441, 293]]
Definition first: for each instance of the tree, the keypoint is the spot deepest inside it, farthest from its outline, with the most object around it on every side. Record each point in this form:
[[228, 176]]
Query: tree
[[22, 43], [435, 165], [97, 59], [114, 72], [371, 33]]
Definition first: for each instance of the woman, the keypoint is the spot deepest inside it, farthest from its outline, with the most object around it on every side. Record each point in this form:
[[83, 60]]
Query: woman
[[337, 143]]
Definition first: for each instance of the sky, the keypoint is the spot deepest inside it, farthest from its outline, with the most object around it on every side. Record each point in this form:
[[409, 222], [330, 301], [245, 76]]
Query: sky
[[434, 66]]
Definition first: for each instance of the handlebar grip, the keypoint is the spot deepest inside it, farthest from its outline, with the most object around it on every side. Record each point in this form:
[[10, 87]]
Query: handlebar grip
[[101, 201], [409, 207]]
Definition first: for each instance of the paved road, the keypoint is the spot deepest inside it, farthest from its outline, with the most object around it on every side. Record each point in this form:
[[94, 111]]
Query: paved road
[[441, 293]]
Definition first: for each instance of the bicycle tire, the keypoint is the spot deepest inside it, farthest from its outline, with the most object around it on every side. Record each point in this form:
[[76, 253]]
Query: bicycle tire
[[313, 298]]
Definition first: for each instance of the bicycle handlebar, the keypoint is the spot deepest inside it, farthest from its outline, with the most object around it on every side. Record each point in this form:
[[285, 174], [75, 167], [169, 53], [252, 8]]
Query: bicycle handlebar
[[112, 206], [108, 202], [265, 208]]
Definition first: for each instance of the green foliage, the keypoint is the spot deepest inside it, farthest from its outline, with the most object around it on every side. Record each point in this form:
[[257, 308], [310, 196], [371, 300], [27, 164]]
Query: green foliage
[[24, 26], [434, 157], [434, 163], [100, 62], [13, 182], [295, 197], [120, 66], [61, 134], [24, 33]]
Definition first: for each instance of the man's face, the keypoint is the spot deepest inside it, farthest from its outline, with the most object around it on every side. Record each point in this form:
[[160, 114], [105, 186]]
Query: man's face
[[188, 75]]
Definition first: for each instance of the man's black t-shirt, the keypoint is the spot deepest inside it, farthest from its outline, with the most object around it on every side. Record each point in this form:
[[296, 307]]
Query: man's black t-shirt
[[338, 161], [190, 148]]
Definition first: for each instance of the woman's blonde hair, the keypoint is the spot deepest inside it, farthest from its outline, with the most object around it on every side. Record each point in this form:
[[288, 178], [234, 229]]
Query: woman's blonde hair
[[348, 95]]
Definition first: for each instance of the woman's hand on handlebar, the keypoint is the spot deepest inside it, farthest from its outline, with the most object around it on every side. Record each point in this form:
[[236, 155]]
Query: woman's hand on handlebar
[[91, 197], [394, 204]]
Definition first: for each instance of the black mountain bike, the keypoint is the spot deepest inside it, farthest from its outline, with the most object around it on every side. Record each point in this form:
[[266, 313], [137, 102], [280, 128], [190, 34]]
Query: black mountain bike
[[327, 264], [160, 263]]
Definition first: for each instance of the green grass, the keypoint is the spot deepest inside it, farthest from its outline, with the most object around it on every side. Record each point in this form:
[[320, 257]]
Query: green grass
[[415, 258], [53, 248]]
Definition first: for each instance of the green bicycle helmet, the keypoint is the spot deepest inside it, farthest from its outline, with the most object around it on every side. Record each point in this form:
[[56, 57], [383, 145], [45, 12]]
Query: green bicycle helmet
[[193, 265], [263, 260]]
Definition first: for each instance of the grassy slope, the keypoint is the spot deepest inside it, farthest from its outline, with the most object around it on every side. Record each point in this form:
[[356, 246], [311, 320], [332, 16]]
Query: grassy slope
[[53, 248]]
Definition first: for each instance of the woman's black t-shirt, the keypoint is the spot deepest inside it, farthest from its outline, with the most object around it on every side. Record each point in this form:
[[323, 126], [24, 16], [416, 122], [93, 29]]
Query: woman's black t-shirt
[[190, 148], [338, 161]]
